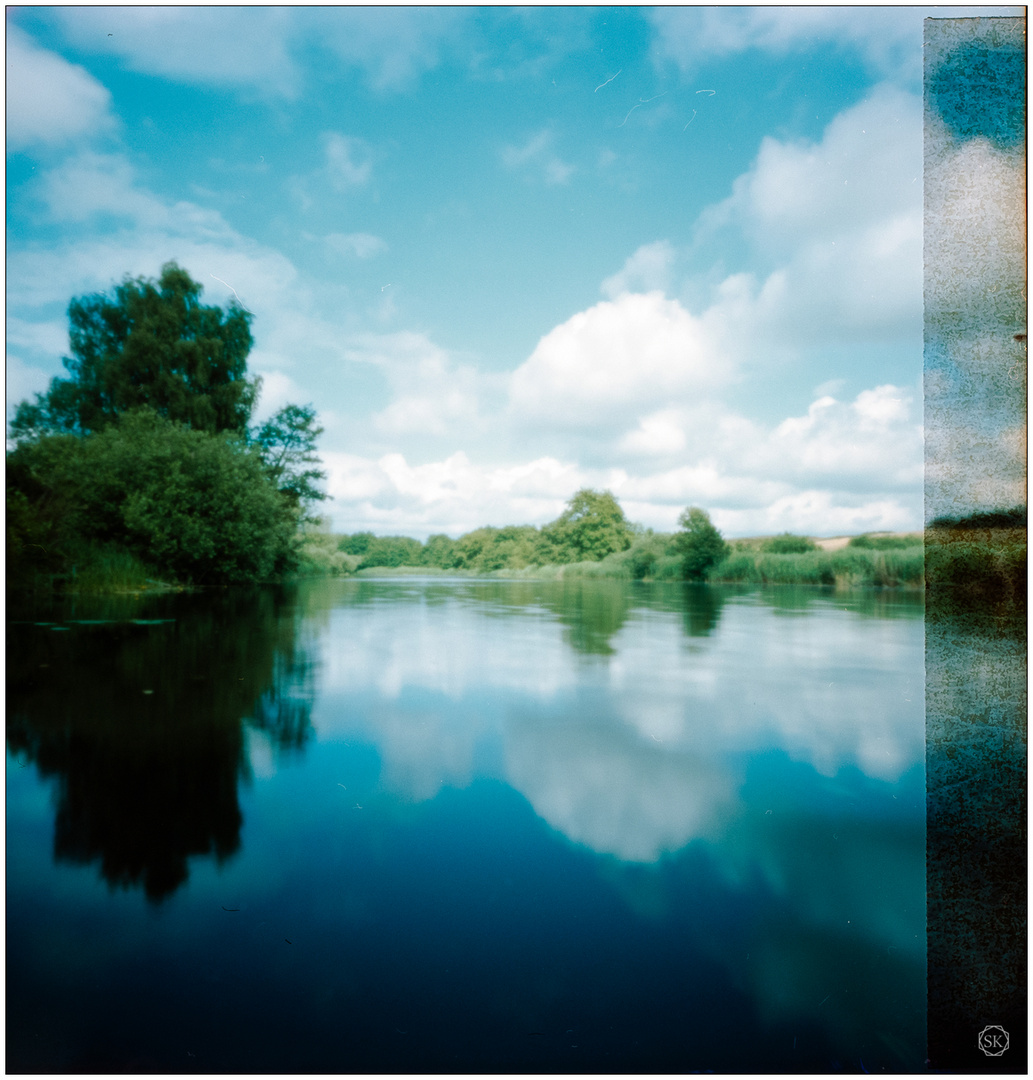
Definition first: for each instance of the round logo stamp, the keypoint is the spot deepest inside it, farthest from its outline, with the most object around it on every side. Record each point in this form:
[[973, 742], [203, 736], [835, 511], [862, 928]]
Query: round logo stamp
[[993, 1040]]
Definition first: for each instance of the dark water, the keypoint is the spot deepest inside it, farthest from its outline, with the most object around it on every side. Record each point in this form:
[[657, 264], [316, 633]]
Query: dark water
[[424, 826]]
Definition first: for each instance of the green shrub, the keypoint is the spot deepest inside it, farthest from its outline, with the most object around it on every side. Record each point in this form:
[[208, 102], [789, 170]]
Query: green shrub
[[883, 543], [699, 543], [788, 544], [194, 506]]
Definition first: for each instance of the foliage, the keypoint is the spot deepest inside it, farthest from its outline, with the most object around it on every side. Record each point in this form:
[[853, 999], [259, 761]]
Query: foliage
[[490, 548], [847, 567], [142, 461], [287, 443], [788, 544], [319, 552], [391, 551], [591, 527], [439, 552], [151, 344], [356, 543], [699, 543], [197, 506], [883, 543]]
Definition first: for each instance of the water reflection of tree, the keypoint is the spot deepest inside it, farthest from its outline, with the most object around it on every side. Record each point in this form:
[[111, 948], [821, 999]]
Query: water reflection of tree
[[142, 725], [591, 612]]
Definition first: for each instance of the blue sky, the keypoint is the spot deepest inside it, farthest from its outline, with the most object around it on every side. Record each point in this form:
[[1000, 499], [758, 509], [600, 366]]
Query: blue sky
[[508, 253]]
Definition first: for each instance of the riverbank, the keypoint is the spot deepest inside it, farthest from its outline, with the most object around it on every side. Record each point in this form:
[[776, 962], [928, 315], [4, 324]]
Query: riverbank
[[844, 568]]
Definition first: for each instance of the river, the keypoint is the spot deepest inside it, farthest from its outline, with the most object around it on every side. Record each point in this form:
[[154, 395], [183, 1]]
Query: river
[[431, 825]]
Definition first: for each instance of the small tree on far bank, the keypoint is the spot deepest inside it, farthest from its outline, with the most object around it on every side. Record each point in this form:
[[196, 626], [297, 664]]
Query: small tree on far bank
[[699, 543]]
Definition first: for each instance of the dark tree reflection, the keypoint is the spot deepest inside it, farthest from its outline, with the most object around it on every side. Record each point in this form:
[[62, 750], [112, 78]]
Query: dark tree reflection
[[702, 609], [142, 724]]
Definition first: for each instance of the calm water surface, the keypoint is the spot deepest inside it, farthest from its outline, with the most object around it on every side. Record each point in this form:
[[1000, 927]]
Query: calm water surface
[[425, 825]]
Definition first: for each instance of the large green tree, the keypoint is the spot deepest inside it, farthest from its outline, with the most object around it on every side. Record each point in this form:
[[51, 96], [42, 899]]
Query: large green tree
[[591, 527], [151, 343], [700, 544]]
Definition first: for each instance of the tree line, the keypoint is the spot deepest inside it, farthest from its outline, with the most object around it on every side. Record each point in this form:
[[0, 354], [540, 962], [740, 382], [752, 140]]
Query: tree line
[[591, 528], [146, 450]]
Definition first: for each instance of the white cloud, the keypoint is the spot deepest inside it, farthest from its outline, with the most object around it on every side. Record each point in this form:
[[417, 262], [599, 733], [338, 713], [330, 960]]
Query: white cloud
[[841, 220], [255, 49], [453, 495], [870, 444], [393, 45], [232, 47], [654, 766], [889, 39], [49, 100], [43, 337], [658, 434], [277, 390], [23, 381], [647, 270], [632, 352]]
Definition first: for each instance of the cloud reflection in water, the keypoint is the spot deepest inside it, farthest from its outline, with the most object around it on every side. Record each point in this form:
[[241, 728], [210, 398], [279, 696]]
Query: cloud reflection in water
[[636, 752]]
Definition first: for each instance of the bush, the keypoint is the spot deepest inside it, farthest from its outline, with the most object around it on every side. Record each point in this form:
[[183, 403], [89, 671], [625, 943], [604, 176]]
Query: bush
[[883, 543], [699, 543], [788, 544], [196, 506]]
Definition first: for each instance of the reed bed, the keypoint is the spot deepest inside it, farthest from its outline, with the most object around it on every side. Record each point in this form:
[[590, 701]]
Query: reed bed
[[846, 568]]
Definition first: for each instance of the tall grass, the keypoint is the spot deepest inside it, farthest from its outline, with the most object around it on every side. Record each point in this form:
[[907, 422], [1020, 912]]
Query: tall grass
[[107, 570], [848, 567]]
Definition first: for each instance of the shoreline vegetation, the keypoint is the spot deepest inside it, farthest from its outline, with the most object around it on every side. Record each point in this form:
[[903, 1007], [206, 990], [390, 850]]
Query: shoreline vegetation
[[880, 560], [142, 472]]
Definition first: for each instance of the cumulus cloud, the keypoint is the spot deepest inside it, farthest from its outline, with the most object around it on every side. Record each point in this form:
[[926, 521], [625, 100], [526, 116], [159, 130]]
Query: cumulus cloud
[[647, 270], [841, 222], [652, 767], [454, 495], [49, 100], [635, 351]]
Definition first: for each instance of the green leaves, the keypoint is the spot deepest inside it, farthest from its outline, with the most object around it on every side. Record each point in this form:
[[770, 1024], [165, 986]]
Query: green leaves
[[699, 543], [788, 544], [150, 344], [287, 442], [145, 447], [591, 526], [197, 506]]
